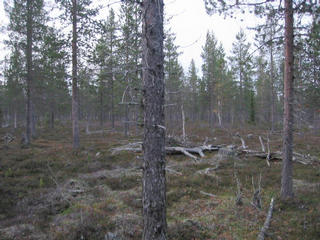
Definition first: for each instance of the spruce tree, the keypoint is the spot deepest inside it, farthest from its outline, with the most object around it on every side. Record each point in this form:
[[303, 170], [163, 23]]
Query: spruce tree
[[27, 19], [130, 57], [106, 58], [242, 67]]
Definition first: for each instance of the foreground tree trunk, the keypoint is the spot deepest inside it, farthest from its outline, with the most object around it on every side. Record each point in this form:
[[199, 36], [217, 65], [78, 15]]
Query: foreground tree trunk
[[29, 72], [154, 180], [286, 175], [75, 102]]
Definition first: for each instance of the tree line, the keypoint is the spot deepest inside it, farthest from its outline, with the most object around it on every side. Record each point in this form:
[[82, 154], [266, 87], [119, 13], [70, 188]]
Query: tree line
[[243, 87]]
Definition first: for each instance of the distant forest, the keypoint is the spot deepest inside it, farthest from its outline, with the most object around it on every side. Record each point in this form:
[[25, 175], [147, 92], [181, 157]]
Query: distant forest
[[244, 87]]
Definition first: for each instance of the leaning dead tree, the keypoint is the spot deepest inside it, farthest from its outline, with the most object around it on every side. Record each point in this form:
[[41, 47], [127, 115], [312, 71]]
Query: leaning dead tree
[[266, 225]]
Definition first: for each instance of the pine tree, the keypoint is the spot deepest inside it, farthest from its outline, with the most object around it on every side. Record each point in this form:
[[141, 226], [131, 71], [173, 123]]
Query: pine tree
[[105, 57], [214, 73], [286, 175], [79, 13], [193, 84], [242, 67], [263, 8], [27, 19], [173, 79], [262, 86], [154, 179], [130, 56], [52, 68], [14, 73]]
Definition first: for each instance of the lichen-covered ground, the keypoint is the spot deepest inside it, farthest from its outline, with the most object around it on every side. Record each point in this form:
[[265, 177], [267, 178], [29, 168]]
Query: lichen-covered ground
[[48, 191]]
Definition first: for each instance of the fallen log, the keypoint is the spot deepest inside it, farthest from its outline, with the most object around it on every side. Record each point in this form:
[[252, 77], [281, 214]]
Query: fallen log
[[137, 147], [193, 151], [264, 155], [266, 223], [297, 157]]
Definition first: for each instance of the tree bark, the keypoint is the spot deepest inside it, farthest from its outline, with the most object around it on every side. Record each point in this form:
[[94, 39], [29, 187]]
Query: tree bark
[[154, 179], [1, 117], [29, 71], [52, 120], [112, 100], [33, 121], [112, 85], [272, 84], [15, 119], [101, 103], [75, 102], [286, 175]]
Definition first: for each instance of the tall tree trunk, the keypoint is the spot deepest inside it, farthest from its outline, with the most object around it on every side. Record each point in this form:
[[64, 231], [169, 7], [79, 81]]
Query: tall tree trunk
[[154, 179], [33, 121], [183, 124], [241, 101], [220, 113], [29, 71], [286, 176], [52, 119], [126, 121], [112, 99], [75, 102], [112, 84], [15, 119], [101, 103], [272, 83]]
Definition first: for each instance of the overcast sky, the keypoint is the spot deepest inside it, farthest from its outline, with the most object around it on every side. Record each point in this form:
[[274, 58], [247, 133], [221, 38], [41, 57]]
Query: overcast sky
[[190, 23]]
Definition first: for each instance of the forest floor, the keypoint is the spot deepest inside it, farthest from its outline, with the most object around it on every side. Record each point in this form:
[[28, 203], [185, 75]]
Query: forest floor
[[49, 191]]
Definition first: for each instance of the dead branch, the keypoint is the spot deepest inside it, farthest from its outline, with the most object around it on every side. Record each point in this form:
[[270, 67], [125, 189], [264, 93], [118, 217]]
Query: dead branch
[[208, 194], [243, 143], [173, 171], [239, 193], [175, 150], [267, 222], [129, 103], [256, 199], [263, 149]]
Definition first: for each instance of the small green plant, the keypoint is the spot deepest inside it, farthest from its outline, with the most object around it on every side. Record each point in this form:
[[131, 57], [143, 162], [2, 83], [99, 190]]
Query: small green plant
[[41, 183], [8, 173]]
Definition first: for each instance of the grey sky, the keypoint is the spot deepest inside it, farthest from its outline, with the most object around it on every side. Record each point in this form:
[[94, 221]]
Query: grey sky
[[190, 23]]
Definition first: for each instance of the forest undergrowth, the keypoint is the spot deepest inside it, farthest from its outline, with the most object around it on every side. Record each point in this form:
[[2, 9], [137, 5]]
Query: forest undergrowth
[[49, 191]]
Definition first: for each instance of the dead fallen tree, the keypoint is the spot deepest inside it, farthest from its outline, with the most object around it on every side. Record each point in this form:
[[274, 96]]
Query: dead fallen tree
[[266, 225], [195, 152], [304, 159], [188, 151]]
